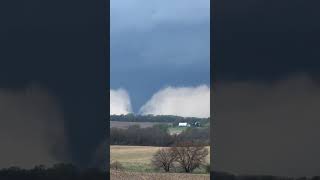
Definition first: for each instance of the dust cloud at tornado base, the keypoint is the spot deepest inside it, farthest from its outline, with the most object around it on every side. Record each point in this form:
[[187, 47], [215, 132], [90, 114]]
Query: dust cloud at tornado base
[[31, 128], [267, 128]]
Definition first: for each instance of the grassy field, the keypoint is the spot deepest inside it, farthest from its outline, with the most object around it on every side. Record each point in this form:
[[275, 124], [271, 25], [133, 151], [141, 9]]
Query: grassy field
[[123, 175], [125, 125], [138, 158], [176, 130]]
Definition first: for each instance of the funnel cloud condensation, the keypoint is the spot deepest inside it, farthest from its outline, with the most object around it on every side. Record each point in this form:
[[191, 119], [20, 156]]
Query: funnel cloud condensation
[[180, 101], [31, 128], [119, 102]]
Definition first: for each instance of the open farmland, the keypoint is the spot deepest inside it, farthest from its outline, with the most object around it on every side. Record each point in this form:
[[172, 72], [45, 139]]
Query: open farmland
[[125, 125], [176, 130], [124, 175], [138, 158]]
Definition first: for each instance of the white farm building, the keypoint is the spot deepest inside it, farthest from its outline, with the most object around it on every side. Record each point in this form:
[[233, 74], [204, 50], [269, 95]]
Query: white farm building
[[184, 124]]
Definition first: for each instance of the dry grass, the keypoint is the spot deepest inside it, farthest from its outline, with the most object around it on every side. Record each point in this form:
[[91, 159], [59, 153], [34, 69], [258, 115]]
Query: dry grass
[[123, 175], [125, 124], [136, 158], [138, 154], [133, 158]]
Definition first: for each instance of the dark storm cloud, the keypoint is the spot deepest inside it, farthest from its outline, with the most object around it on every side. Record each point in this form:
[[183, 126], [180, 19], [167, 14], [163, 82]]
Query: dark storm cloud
[[158, 43], [267, 128], [32, 128], [266, 113], [266, 40], [61, 46], [99, 156]]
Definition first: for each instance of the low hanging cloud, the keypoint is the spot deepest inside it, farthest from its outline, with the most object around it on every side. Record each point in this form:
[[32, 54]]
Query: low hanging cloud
[[32, 128], [180, 101], [119, 102]]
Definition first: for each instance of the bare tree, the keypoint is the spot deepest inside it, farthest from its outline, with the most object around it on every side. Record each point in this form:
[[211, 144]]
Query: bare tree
[[190, 155], [164, 159]]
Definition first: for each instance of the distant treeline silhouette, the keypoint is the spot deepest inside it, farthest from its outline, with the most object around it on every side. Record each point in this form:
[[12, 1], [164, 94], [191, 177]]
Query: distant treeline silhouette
[[157, 135], [56, 172], [159, 118], [228, 176]]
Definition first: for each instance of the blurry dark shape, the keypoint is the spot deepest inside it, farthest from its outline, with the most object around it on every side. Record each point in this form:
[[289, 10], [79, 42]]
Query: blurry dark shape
[[222, 176], [57, 172], [228, 176]]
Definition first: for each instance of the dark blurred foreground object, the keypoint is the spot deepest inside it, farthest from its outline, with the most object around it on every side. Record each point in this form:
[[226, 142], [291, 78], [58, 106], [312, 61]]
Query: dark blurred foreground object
[[228, 176], [57, 172]]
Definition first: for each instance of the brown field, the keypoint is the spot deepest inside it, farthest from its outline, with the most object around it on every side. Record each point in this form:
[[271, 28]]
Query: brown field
[[132, 154], [125, 125], [136, 158], [123, 175]]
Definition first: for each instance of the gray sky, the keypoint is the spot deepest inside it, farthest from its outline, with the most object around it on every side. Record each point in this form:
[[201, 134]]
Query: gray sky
[[156, 44]]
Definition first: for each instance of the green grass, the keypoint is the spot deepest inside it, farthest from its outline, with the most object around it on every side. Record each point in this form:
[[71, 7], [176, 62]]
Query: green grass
[[134, 158]]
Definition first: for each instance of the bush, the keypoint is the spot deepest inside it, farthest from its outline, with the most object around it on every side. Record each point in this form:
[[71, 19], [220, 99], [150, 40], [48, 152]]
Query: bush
[[190, 155], [207, 168], [164, 158], [116, 165]]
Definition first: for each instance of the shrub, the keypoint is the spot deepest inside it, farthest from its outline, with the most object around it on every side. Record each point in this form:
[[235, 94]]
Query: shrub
[[190, 155], [116, 165], [164, 158]]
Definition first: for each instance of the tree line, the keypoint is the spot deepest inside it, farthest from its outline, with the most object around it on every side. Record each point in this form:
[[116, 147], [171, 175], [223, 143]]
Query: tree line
[[159, 118], [157, 135], [134, 135]]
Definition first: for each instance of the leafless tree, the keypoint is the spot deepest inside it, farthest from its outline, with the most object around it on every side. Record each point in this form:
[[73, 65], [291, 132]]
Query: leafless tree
[[190, 155], [164, 158]]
